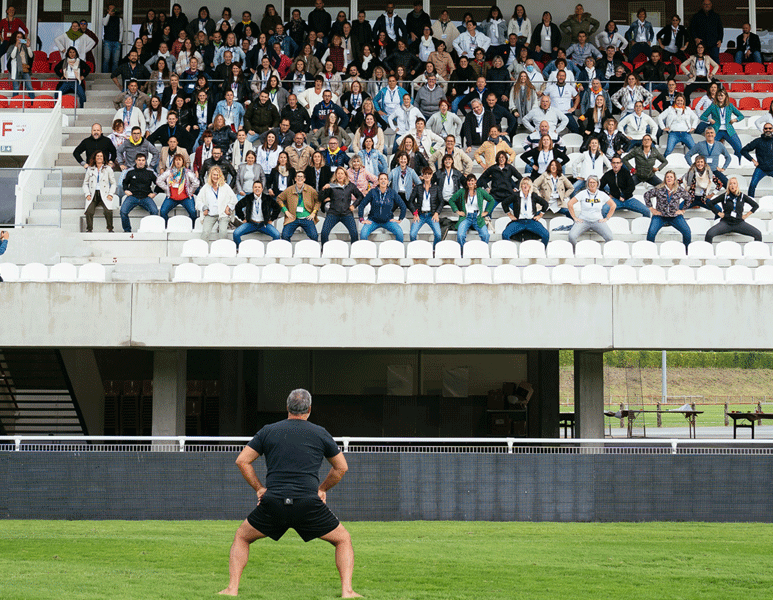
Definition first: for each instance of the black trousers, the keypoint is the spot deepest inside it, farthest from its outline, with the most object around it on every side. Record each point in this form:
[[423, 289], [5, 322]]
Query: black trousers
[[96, 200], [724, 227]]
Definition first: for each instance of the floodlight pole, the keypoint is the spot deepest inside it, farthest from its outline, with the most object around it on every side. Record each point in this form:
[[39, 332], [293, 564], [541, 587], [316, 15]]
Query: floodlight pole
[[663, 378]]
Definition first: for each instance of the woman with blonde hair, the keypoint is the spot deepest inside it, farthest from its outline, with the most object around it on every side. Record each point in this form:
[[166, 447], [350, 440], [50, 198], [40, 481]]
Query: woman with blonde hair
[[632, 92], [216, 200], [342, 198], [179, 184], [360, 176], [555, 188], [729, 207], [671, 200], [99, 189]]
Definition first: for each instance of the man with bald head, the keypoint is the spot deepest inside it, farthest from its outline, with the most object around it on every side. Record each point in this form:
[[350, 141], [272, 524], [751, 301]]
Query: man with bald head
[[95, 142]]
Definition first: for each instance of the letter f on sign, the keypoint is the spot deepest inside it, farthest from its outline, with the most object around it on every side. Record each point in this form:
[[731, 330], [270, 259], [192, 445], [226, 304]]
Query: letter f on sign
[[6, 127]]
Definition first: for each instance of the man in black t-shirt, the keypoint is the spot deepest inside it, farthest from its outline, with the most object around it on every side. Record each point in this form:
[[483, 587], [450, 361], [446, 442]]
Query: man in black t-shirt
[[292, 496]]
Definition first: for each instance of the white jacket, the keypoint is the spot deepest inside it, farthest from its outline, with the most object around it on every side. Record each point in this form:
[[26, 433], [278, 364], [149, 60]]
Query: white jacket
[[453, 124], [635, 127], [524, 30], [464, 43], [137, 119], [584, 167], [83, 45], [102, 180], [239, 156], [216, 204], [402, 121], [678, 119]]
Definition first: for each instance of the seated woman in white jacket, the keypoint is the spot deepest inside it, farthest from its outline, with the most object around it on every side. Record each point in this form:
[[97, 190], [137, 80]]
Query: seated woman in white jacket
[[216, 201], [131, 116], [592, 162], [679, 121], [99, 189]]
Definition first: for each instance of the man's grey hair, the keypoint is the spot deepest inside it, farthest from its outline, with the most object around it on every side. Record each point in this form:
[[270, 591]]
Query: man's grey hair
[[594, 178], [299, 402]]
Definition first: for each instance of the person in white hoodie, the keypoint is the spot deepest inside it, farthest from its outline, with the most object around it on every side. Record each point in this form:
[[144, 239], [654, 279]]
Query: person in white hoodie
[[131, 116], [216, 200], [471, 40], [403, 119], [638, 124], [679, 121], [592, 162]]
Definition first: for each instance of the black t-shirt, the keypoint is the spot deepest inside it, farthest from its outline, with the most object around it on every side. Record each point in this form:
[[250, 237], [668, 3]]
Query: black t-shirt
[[294, 449]]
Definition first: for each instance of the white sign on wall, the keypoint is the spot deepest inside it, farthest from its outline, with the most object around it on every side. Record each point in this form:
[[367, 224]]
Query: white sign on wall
[[20, 131]]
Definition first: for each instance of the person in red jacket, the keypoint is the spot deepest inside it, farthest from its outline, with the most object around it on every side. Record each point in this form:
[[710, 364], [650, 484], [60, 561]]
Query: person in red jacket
[[8, 27]]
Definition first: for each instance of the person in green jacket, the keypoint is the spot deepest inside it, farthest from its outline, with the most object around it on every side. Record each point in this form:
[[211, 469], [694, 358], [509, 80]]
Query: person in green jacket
[[473, 205], [721, 114], [579, 21]]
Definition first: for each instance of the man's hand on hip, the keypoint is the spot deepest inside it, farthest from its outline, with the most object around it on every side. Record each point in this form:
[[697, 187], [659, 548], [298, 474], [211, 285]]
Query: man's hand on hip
[[322, 496]]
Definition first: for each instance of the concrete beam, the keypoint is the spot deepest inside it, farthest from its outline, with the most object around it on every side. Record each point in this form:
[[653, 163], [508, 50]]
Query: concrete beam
[[169, 392], [86, 382], [589, 394]]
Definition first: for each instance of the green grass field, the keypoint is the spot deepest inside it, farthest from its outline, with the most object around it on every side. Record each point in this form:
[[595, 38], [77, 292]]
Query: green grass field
[[119, 560]]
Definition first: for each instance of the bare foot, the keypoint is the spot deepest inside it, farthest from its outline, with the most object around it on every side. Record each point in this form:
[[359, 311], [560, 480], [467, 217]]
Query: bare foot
[[229, 592], [351, 594]]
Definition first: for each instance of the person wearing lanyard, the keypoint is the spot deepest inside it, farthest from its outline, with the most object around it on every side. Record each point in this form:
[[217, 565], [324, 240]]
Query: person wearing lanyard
[[668, 196], [539, 158], [425, 203], [729, 208], [555, 189], [640, 36], [524, 214], [620, 186], [342, 197], [257, 211], [626, 97], [722, 115], [592, 202], [232, 111], [473, 204], [168, 153], [382, 201], [99, 189], [179, 184], [299, 204], [701, 69]]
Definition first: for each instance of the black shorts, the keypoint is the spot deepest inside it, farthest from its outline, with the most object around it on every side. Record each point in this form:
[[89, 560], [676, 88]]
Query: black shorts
[[309, 516]]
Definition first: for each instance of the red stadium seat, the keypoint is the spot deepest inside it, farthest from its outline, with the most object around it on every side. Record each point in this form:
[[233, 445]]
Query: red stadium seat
[[43, 102], [3, 102], [54, 57], [763, 87], [20, 103], [6, 85], [91, 65], [733, 101], [680, 87], [39, 55], [41, 66], [741, 86], [770, 68], [748, 103], [694, 101], [766, 103], [36, 84], [726, 57], [731, 68], [628, 66], [754, 68], [68, 101], [540, 65], [49, 84]]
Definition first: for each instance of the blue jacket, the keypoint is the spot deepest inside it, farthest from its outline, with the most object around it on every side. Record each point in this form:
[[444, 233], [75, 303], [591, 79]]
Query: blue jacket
[[764, 149], [411, 179], [3, 246], [237, 112], [341, 159], [632, 30], [378, 101], [320, 113], [382, 206], [383, 166], [289, 47]]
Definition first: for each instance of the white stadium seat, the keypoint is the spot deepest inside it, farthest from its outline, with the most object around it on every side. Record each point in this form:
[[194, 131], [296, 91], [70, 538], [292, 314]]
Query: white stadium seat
[[179, 224], [535, 274], [565, 274], [216, 273], [640, 226], [766, 203], [652, 274], [672, 249], [728, 249], [187, 273], [677, 161], [196, 248], [252, 249], [222, 249], [332, 273], [391, 249], [335, 249], [644, 249], [504, 249], [699, 226], [557, 222], [448, 249], [500, 224], [449, 274], [63, 272], [622, 274], [616, 250], [709, 274], [739, 274], [303, 273], [571, 140], [700, 250], [390, 274], [681, 274], [558, 249], [756, 250], [362, 273], [619, 226], [9, 271], [764, 274], [419, 274], [92, 272], [34, 272], [477, 273], [152, 224], [475, 249], [504, 274], [594, 274], [275, 273], [532, 249], [245, 272], [363, 249], [279, 249], [587, 249], [419, 249], [307, 249]]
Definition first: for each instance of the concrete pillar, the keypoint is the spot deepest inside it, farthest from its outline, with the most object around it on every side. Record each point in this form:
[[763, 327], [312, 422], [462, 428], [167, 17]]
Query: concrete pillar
[[231, 392], [86, 382], [589, 394], [170, 381], [543, 375]]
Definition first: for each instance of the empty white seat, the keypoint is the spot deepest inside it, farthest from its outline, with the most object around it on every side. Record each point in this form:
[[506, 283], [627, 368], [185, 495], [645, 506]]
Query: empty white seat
[[216, 273], [9, 271], [477, 273], [303, 273], [419, 274], [179, 224], [764, 274], [616, 250], [571, 140], [652, 274], [672, 249], [362, 274], [756, 250], [448, 249], [196, 248], [622, 274], [644, 249], [391, 249], [252, 249], [420, 249], [275, 272], [619, 226], [222, 249], [335, 249], [449, 274], [556, 249], [729, 249], [709, 274], [153, 224], [390, 274], [565, 274], [532, 249], [698, 226], [332, 273], [63, 272], [307, 249], [363, 249], [279, 249], [535, 274], [475, 249], [593, 274], [766, 203], [91, 272], [701, 250], [757, 223], [500, 224], [504, 249], [677, 161], [640, 226], [34, 272], [739, 274], [187, 273], [557, 222], [681, 274], [587, 249], [245, 272], [506, 274]]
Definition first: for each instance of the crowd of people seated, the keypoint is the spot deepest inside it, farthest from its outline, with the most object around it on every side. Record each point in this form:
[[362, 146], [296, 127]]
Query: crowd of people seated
[[366, 121]]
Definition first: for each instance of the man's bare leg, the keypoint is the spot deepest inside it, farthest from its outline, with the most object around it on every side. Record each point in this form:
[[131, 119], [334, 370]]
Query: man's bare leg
[[342, 541], [240, 554]]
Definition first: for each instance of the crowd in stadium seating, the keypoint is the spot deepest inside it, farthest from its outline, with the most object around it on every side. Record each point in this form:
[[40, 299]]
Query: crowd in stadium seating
[[257, 121]]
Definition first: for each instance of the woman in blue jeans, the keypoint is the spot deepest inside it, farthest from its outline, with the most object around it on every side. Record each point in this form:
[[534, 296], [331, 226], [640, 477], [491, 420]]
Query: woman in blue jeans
[[679, 121], [179, 185], [722, 115], [343, 197], [668, 196], [473, 204], [72, 71], [258, 211]]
